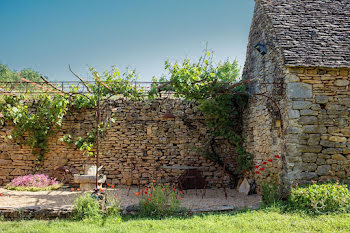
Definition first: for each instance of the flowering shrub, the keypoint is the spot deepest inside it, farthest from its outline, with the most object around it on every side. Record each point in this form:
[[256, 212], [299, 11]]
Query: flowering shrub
[[270, 190], [159, 200], [37, 182], [321, 198]]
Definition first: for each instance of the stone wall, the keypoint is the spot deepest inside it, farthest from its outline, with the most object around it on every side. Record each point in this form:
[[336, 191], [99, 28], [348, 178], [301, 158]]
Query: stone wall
[[318, 137], [140, 135], [262, 123]]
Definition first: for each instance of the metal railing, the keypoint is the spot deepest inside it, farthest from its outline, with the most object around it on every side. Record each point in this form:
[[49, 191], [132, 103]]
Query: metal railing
[[64, 86]]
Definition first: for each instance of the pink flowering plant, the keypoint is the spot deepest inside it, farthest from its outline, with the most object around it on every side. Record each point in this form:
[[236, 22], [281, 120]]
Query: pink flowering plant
[[37, 182]]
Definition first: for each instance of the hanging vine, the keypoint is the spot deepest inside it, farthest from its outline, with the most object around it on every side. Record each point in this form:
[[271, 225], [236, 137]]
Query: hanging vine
[[220, 96], [215, 87]]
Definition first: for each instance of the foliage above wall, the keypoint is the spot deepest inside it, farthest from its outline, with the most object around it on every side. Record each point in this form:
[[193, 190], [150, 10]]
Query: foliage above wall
[[215, 87], [220, 97]]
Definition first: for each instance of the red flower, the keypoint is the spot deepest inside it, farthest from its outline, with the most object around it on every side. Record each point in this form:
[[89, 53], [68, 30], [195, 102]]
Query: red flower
[[108, 184], [270, 160], [78, 189], [145, 202], [154, 181], [0, 194], [138, 193], [180, 192], [145, 192], [112, 186], [115, 196], [163, 190], [244, 171], [257, 166], [101, 190], [174, 189], [179, 198], [277, 156], [149, 199], [147, 189], [72, 189], [150, 195], [257, 172], [264, 163], [262, 169]]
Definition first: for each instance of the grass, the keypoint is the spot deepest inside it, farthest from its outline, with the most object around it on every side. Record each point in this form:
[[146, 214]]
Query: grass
[[267, 220], [32, 188]]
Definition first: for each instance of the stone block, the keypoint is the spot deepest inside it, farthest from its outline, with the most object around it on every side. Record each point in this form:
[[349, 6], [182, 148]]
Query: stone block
[[309, 157], [327, 143], [323, 170], [314, 139], [308, 112], [314, 129], [299, 105], [299, 90], [344, 101], [293, 130], [342, 82], [308, 120], [337, 139], [311, 149], [293, 114], [321, 99], [339, 157]]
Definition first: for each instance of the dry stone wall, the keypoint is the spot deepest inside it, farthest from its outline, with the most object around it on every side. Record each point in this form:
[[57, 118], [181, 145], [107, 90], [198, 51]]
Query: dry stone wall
[[139, 144], [318, 136]]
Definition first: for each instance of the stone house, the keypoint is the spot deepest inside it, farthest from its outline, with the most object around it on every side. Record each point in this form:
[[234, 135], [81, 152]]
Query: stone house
[[298, 59]]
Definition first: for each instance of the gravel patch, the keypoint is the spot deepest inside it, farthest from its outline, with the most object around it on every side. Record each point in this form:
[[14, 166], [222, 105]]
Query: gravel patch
[[214, 199]]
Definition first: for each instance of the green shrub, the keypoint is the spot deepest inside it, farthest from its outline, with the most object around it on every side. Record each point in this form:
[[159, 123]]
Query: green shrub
[[112, 204], [159, 200], [321, 198], [270, 192], [85, 206]]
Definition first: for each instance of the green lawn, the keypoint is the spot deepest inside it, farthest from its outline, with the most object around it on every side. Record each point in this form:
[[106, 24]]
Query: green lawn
[[250, 221]]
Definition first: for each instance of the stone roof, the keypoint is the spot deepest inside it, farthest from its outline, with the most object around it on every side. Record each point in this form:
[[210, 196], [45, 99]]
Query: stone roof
[[312, 33]]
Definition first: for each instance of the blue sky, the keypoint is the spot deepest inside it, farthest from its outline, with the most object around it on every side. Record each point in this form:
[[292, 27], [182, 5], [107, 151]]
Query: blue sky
[[47, 35]]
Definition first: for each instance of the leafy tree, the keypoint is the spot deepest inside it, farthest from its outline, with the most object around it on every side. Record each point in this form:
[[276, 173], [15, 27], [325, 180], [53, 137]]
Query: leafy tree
[[7, 75]]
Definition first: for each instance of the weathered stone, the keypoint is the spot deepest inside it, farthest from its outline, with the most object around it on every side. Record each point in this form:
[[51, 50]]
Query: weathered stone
[[309, 157], [344, 101], [293, 114], [311, 149], [327, 143], [336, 107], [338, 157], [308, 120], [314, 139], [323, 170], [298, 105], [337, 139], [342, 82], [314, 129], [293, 130], [299, 90], [321, 99], [310, 167], [308, 112]]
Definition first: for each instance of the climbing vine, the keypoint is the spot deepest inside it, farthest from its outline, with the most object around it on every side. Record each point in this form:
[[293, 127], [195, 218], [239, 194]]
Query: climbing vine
[[216, 87], [34, 120], [220, 96]]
